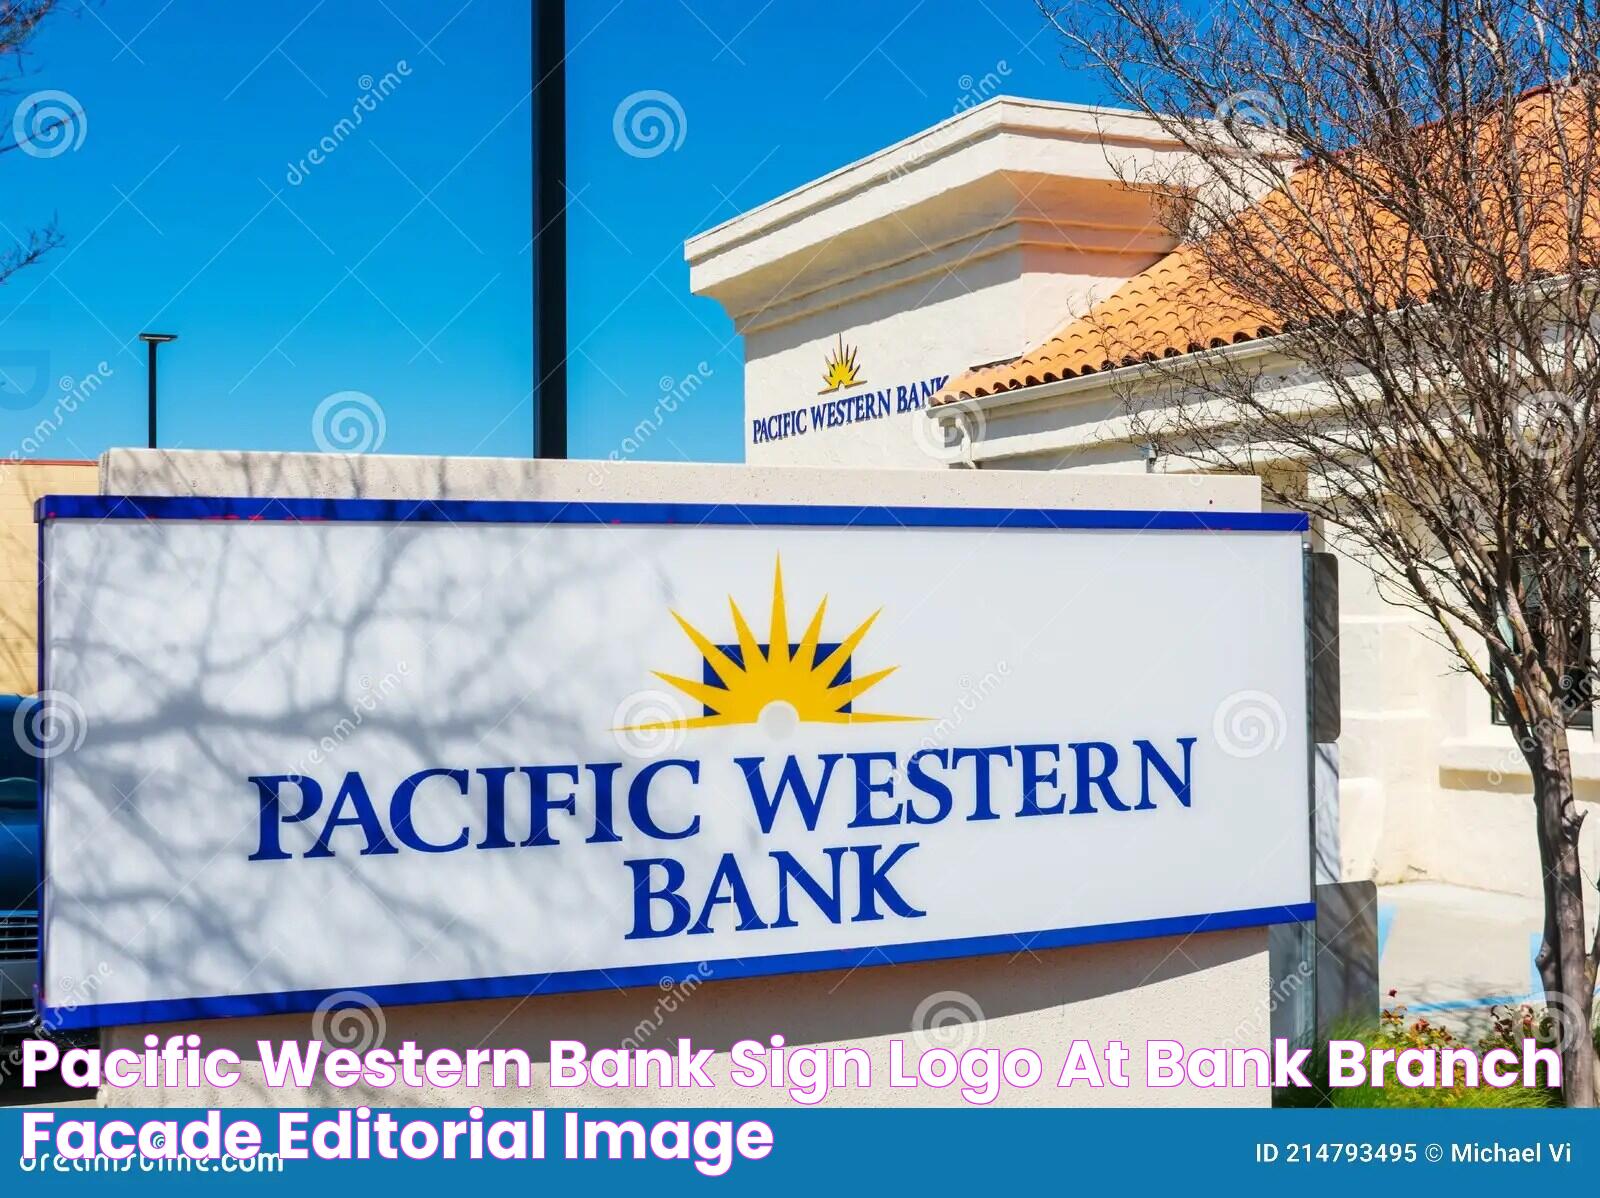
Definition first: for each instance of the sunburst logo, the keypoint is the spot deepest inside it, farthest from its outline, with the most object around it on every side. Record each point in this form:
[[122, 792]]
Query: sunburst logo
[[777, 682], [843, 370]]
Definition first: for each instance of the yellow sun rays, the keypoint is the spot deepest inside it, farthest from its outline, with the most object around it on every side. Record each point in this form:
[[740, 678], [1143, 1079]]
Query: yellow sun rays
[[842, 369], [778, 675]]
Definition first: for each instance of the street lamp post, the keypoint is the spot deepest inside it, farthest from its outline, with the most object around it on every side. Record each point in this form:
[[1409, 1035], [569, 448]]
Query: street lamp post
[[152, 340], [550, 228]]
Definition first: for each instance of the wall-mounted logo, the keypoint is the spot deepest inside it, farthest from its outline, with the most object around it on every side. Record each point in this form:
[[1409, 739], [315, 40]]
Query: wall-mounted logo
[[778, 682], [842, 374], [842, 369]]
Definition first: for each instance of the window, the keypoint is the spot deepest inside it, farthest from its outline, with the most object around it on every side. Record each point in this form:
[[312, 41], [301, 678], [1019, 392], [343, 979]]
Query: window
[[1577, 685]]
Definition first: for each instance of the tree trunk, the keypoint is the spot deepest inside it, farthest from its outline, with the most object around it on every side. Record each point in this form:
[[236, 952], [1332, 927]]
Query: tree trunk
[[1563, 956]]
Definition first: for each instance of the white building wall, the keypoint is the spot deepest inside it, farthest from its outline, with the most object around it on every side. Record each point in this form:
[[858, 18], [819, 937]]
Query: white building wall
[[971, 243]]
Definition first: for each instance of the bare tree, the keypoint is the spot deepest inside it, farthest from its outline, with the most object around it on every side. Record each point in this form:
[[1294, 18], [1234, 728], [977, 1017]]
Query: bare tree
[[19, 22], [1398, 200]]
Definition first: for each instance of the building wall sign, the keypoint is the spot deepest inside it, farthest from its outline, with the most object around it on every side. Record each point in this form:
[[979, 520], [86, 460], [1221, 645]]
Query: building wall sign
[[448, 750], [841, 403]]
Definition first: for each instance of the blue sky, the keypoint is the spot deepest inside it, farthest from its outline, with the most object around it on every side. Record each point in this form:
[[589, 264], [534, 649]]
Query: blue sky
[[397, 266]]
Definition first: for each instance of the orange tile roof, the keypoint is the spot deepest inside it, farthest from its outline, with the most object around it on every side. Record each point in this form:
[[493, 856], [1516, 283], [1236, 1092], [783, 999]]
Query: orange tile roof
[[1168, 310], [1175, 307]]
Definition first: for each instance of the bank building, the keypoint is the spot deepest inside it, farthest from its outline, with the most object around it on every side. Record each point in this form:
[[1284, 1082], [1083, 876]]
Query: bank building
[[945, 304]]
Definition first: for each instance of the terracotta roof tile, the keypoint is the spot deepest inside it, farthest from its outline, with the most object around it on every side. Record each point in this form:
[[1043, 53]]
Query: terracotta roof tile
[[1170, 309], [1175, 307]]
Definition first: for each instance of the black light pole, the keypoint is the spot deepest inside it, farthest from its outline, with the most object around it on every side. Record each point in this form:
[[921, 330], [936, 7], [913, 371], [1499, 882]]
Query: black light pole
[[550, 228], [152, 340]]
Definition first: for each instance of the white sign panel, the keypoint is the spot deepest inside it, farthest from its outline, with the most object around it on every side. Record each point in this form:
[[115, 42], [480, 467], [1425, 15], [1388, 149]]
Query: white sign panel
[[451, 750]]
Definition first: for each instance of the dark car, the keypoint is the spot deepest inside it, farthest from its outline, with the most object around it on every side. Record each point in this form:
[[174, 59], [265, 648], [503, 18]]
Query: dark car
[[19, 869]]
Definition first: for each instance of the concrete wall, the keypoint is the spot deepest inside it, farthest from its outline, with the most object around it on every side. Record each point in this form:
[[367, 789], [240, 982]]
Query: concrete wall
[[966, 243], [21, 483], [1203, 990], [1210, 989]]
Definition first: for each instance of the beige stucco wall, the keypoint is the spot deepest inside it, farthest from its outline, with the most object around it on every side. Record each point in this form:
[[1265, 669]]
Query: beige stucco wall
[[972, 241], [1433, 789], [968, 242], [1210, 989], [21, 483]]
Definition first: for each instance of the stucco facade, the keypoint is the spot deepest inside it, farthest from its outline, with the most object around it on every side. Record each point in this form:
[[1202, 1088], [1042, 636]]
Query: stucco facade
[[962, 244], [21, 483], [1039, 228]]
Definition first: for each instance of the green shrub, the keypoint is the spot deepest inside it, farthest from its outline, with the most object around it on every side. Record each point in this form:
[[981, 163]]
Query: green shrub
[[1512, 1025]]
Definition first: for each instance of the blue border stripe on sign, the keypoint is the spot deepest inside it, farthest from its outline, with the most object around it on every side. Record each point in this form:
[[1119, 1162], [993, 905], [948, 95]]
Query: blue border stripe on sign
[[534, 984], [516, 512], [496, 511]]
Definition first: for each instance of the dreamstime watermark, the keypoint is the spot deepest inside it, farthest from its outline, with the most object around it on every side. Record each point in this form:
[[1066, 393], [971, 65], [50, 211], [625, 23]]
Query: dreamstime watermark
[[948, 435], [1251, 111], [1249, 723], [349, 1019], [68, 995], [674, 394], [1515, 761], [975, 90], [1548, 426], [946, 1019], [46, 1162], [1256, 1027], [674, 993], [24, 378], [1563, 1024], [367, 703], [973, 695], [48, 124], [349, 422], [74, 393], [373, 93], [648, 724], [648, 123], [53, 724]]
